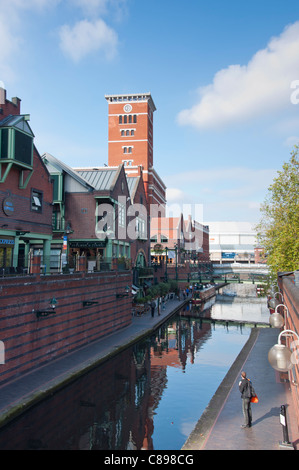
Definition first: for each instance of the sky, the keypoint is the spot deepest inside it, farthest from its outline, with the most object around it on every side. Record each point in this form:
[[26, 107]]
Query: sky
[[224, 76]]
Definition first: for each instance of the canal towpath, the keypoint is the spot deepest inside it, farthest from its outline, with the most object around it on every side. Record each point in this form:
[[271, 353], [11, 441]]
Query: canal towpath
[[219, 426]]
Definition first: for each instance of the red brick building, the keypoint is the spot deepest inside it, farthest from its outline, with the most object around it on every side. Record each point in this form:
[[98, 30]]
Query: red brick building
[[130, 141], [25, 192]]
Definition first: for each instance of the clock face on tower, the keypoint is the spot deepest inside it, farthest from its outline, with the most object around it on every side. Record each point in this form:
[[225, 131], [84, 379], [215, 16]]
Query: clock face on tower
[[127, 108]]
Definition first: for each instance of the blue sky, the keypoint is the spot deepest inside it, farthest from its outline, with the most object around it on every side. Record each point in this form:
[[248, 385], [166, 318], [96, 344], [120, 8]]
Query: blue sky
[[220, 74]]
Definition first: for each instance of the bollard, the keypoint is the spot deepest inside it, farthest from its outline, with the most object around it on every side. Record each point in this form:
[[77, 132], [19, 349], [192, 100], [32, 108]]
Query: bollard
[[283, 421]]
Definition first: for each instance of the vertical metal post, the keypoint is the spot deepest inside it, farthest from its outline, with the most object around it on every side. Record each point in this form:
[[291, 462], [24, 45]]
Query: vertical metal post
[[283, 422]]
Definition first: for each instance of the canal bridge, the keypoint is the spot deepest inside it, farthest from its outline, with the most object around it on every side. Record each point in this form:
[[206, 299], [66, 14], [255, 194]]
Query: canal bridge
[[231, 273]]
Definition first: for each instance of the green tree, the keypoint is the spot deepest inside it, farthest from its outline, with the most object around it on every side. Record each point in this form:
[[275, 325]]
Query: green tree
[[278, 229]]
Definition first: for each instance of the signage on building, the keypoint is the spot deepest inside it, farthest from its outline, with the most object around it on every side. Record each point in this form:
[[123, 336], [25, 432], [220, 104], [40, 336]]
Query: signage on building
[[88, 244], [64, 247], [8, 207], [228, 255], [5, 241]]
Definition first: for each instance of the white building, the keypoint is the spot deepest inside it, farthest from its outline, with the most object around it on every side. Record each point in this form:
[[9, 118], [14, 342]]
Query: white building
[[232, 242]]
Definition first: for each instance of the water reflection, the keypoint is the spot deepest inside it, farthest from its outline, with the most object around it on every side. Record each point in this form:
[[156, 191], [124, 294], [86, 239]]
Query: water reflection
[[148, 397]]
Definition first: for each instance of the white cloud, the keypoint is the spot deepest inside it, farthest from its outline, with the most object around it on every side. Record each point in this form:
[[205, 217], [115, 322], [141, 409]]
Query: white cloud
[[242, 92], [223, 193], [12, 30], [91, 7], [291, 141], [87, 37]]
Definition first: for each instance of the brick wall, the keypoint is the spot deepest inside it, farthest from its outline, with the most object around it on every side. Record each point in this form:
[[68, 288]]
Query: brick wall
[[290, 294], [30, 342]]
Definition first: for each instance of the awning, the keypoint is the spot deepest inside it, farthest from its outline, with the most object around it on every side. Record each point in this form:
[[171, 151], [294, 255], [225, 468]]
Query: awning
[[135, 289]]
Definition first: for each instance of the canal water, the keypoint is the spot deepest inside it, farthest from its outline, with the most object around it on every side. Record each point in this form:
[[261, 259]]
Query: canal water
[[150, 396]]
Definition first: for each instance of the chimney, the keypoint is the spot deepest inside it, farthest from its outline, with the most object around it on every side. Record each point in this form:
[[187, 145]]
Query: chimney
[[2, 96]]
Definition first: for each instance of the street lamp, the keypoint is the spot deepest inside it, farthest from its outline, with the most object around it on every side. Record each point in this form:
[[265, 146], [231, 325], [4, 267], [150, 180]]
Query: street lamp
[[272, 302], [276, 320], [280, 356]]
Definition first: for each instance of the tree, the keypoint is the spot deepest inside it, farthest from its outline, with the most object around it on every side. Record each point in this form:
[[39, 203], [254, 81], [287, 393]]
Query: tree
[[278, 228]]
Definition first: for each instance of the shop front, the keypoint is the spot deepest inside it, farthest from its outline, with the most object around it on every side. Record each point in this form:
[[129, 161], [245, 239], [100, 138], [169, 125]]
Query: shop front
[[94, 252], [6, 252]]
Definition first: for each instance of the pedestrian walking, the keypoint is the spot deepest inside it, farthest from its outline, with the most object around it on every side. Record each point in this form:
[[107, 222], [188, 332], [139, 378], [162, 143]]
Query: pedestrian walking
[[153, 306], [159, 305], [247, 392]]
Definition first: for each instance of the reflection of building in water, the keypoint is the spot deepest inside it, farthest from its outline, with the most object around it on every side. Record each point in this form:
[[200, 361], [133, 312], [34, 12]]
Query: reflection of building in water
[[232, 309]]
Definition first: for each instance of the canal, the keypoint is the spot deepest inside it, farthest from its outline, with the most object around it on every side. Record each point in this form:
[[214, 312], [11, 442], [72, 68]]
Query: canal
[[151, 395]]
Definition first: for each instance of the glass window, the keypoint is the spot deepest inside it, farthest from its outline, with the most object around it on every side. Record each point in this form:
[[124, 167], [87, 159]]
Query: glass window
[[36, 201], [4, 143], [120, 119], [23, 148]]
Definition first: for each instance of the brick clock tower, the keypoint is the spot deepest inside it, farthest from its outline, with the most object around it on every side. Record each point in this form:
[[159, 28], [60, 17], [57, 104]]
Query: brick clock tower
[[130, 141]]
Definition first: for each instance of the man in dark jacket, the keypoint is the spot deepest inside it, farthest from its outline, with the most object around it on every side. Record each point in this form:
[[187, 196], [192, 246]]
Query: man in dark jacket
[[247, 391]]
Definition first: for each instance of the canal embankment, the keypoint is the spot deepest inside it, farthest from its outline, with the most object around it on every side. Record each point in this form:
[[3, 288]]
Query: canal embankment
[[20, 394], [219, 424]]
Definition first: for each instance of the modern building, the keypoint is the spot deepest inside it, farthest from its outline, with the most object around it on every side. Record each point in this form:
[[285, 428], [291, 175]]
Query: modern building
[[232, 242], [130, 142]]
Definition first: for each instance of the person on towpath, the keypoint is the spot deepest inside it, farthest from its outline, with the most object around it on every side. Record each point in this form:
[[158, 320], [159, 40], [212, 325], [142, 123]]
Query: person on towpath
[[153, 306], [247, 391]]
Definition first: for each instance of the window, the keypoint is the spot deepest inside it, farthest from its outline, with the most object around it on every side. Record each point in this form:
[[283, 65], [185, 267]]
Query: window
[[36, 201], [120, 119], [164, 239], [23, 148], [134, 118], [4, 143], [16, 145]]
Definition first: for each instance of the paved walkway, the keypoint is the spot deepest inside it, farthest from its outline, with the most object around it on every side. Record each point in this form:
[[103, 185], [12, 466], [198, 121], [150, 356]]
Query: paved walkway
[[219, 428]]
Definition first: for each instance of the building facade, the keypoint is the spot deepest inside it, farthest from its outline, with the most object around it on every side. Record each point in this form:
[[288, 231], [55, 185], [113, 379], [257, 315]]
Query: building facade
[[25, 192], [232, 242]]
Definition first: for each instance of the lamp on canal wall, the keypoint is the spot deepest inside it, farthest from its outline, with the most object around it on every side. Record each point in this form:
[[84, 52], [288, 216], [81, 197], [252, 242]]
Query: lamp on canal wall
[[280, 356], [46, 312], [125, 294], [272, 302], [276, 320]]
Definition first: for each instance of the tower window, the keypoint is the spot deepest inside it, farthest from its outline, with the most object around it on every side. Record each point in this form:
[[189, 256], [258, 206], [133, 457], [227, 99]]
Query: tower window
[[127, 149]]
